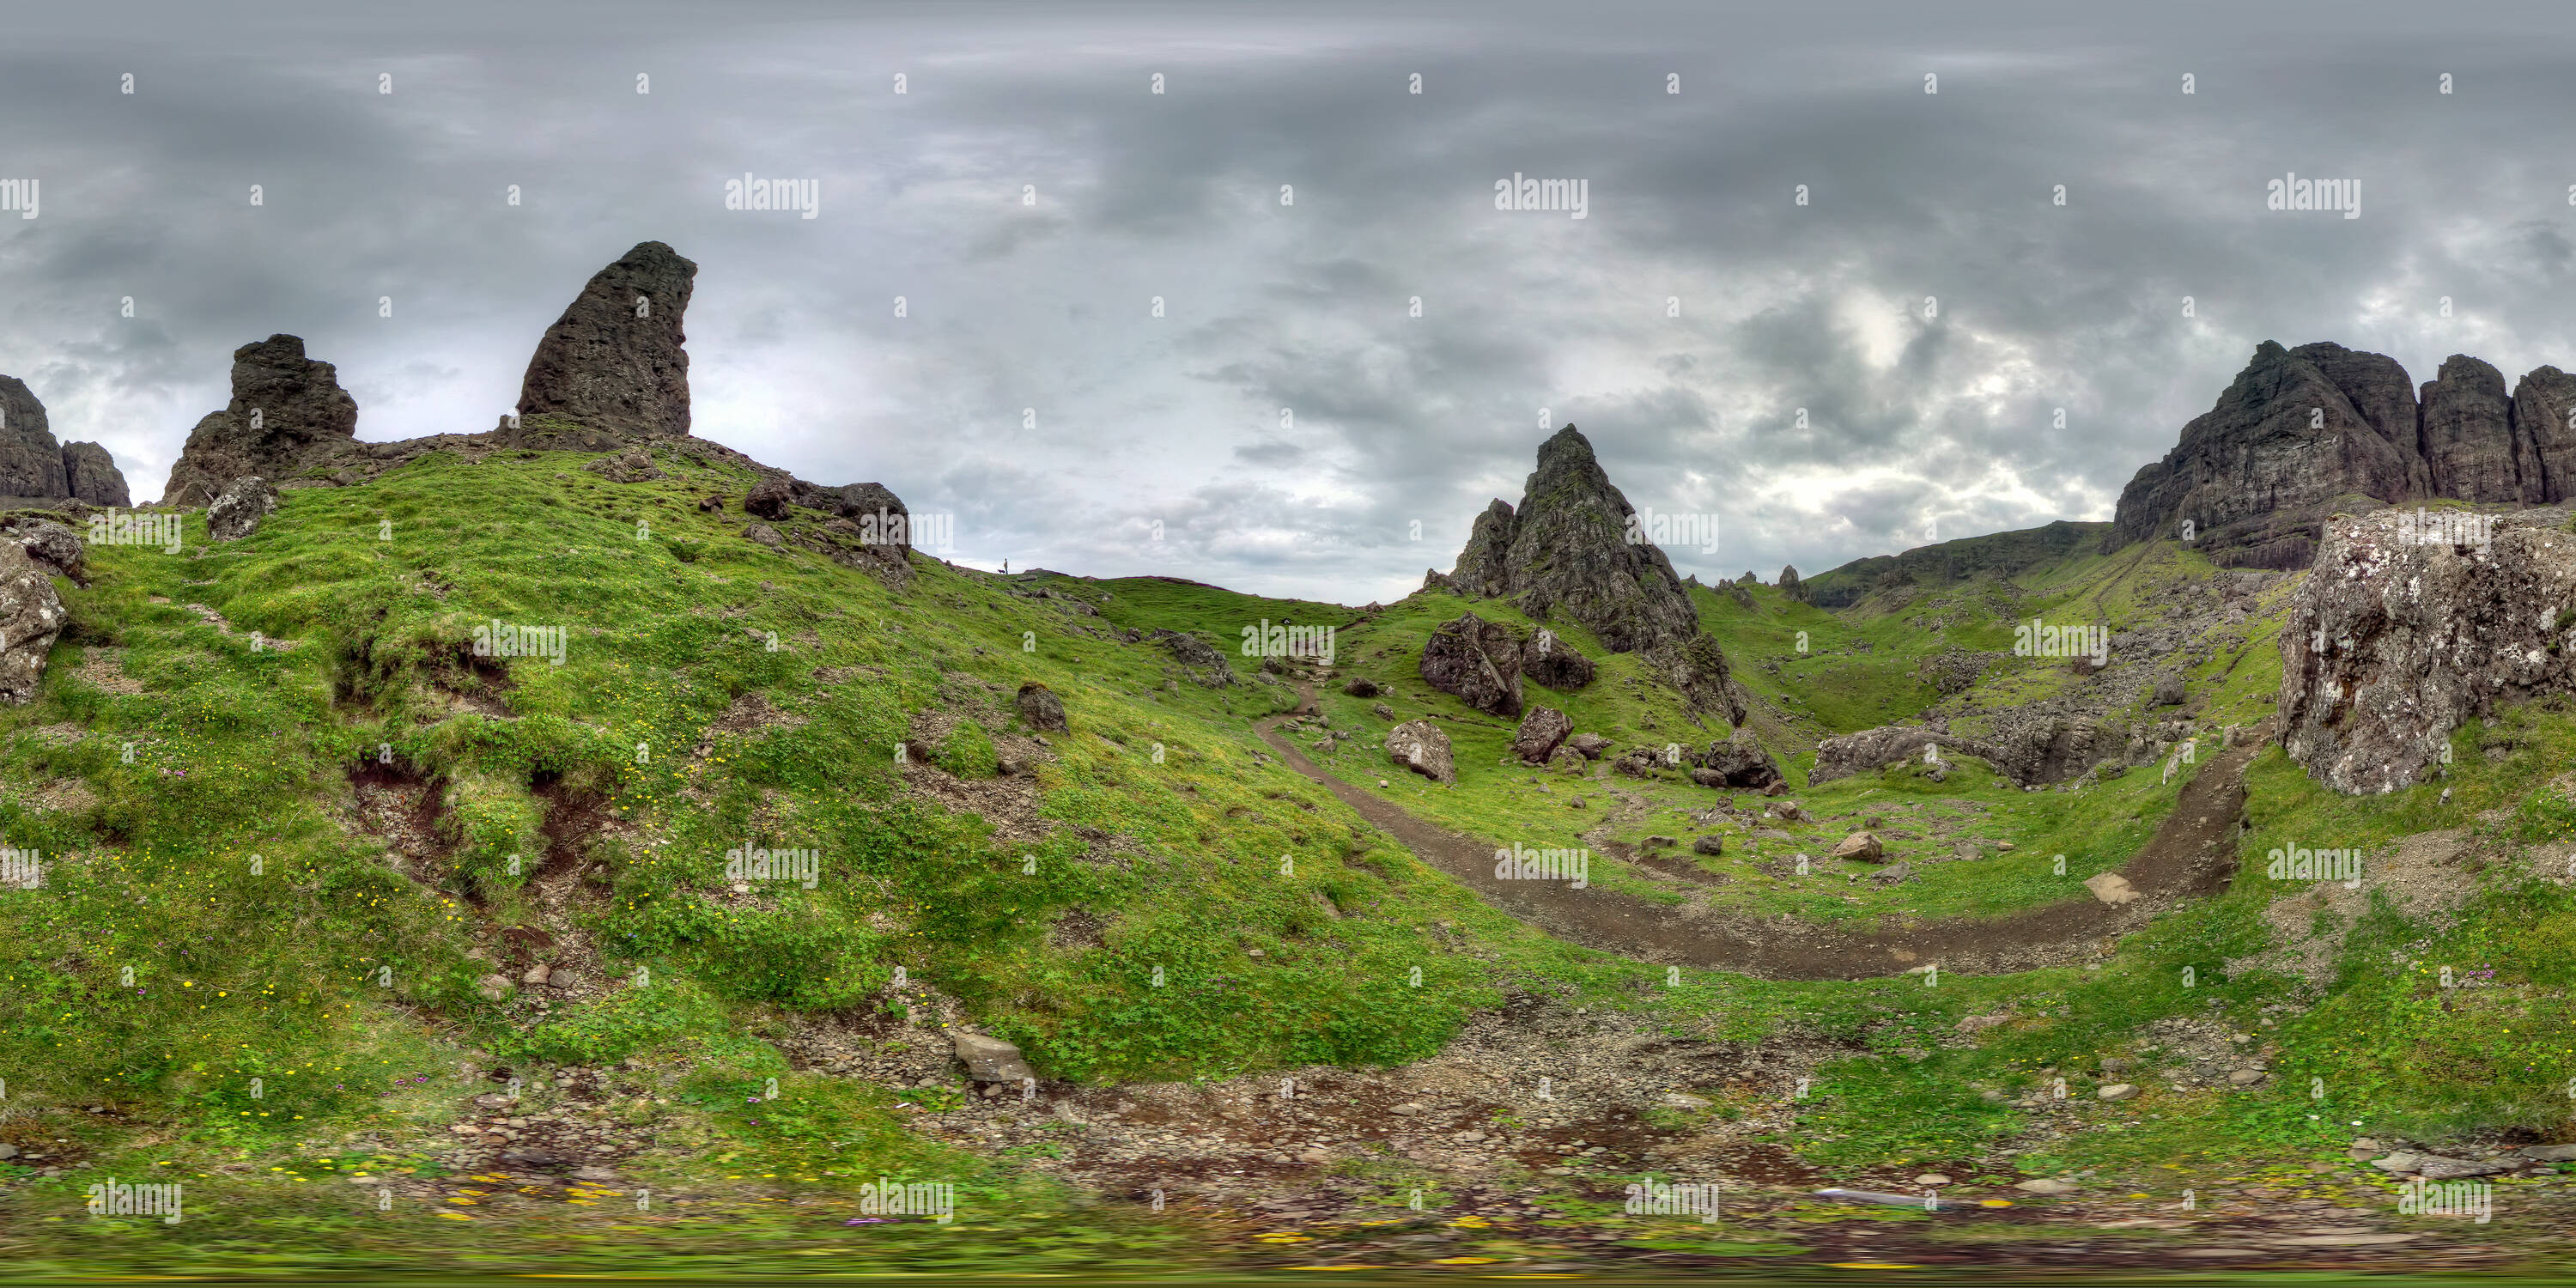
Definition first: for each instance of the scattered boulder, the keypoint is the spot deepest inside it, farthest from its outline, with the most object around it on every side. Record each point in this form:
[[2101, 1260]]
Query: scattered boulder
[[54, 547], [764, 534], [2169, 690], [1541, 731], [1382, 711], [633, 465], [990, 1059], [768, 499], [1199, 659], [287, 413], [1478, 662], [614, 360], [493, 988], [2111, 888], [2118, 1091], [1711, 844], [1548, 660], [235, 512], [1422, 747], [1740, 761], [1862, 847], [1588, 745], [1362, 687], [1039, 705], [31, 619]]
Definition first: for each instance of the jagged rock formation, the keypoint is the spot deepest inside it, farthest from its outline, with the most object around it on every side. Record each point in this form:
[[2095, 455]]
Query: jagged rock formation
[[2305, 432], [1547, 660], [1567, 547], [287, 414], [54, 547], [1420, 746], [33, 467], [1540, 733], [614, 360], [31, 618], [1477, 661], [1199, 660], [1789, 583], [2393, 641], [2032, 752]]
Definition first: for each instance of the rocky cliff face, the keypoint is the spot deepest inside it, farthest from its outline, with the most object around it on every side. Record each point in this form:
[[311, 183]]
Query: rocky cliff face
[[2305, 432], [1566, 547], [33, 467], [613, 361], [287, 413], [2395, 639]]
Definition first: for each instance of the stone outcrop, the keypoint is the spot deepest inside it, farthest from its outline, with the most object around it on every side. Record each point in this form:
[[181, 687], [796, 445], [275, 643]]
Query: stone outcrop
[[2032, 752], [287, 414], [55, 548], [2304, 433], [1548, 660], [2394, 640], [1476, 661], [1789, 583], [614, 360], [1541, 732], [236, 513], [1739, 761], [1199, 660], [33, 467], [31, 619], [1567, 547], [1420, 746]]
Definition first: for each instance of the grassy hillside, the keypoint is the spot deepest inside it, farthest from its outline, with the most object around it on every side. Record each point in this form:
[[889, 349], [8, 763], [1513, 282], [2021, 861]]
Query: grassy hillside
[[291, 822]]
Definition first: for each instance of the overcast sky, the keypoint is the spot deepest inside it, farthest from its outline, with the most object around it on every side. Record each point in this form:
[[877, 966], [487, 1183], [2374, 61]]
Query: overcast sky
[[1287, 421]]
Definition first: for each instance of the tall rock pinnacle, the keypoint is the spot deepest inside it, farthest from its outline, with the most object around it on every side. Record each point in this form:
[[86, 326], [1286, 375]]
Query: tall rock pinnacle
[[613, 361]]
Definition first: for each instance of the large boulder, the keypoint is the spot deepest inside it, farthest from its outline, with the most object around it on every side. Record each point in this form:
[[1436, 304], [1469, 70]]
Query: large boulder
[[990, 1059], [31, 619], [1740, 761], [236, 512], [287, 414], [1477, 661], [614, 360], [768, 498], [1422, 747], [1040, 707], [52, 546], [2412, 622], [1548, 660], [1541, 732]]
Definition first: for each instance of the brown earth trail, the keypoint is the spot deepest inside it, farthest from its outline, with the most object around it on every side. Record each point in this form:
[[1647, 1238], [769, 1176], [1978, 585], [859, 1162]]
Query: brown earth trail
[[2191, 854]]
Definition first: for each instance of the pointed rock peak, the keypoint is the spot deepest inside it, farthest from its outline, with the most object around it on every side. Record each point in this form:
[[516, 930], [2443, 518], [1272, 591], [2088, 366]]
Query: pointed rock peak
[[1567, 446], [614, 360], [2268, 351]]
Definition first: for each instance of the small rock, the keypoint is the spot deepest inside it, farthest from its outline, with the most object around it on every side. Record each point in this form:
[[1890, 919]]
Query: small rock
[[2111, 888], [1931, 1178], [764, 534], [2117, 1064], [990, 1059], [493, 987], [537, 974], [1711, 844], [2398, 1163], [1406, 1110], [1862, 847], [2538, 1153], [2119, 1091], [2045, 1185], [1685, 1100], [2246, 1077]]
